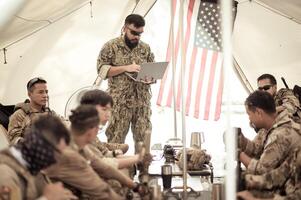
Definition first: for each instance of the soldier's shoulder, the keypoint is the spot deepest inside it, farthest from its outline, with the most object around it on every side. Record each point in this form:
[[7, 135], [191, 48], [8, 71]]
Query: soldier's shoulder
[[285, 92], [114, 41], [144, 45]]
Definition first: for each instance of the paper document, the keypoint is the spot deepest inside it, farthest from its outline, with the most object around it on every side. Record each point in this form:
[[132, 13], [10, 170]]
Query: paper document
[[153, 70]]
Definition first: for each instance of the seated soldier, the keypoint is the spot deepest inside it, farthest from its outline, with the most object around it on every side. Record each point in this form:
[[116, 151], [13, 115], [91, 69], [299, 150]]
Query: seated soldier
[[40, 148], [79, 167], [103, 103], [284, 98], [283, 134], [25, 113], [284, 182]]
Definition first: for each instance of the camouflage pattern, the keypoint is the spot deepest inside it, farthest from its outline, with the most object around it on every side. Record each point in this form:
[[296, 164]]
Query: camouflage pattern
[[255, 147], [283, 138], [21, 119], [131, 99], [196, 159], [284, 180], [287, 99], [109, 149]]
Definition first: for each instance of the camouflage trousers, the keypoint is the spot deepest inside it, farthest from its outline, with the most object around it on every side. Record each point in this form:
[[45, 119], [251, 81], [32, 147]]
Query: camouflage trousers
[[121, 119]]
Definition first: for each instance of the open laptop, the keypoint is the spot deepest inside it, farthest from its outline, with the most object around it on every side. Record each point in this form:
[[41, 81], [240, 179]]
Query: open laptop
[[153, 70]]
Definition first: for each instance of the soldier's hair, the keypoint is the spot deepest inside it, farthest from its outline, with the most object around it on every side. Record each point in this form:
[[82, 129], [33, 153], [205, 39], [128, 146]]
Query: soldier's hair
[[267, 76], [261, 99], [34, 81], [96, 97], [51, 128], [83, 118], [135, 19]]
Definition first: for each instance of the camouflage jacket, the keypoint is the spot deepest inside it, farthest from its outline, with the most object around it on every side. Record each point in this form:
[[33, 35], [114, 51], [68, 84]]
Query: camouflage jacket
[[122, 88], [282, 138], [20, 120], [286, 98], [284, 180], [255, 147]]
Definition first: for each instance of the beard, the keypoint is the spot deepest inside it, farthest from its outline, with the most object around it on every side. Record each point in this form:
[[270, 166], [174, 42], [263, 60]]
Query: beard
[[130, 43]]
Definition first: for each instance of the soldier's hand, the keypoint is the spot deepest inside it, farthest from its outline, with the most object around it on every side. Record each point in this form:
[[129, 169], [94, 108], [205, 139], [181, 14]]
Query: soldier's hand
[[246, 195], [132, 67], [56, 191]]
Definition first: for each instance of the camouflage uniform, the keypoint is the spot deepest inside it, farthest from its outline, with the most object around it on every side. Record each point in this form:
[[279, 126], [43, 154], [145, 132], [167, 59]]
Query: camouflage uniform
[[286, 98], [131, 99], [20, 120], [282, 138], [108, 149], [284, 180], [255, 147]]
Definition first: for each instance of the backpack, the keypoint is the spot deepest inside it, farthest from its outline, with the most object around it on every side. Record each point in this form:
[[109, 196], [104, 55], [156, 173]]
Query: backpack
[[297, 92]]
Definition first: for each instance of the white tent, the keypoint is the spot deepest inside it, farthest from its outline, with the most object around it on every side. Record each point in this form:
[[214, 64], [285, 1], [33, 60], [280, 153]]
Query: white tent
[[60, 41]]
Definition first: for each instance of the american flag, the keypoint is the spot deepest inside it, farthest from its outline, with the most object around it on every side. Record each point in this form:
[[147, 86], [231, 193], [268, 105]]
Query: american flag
[[203, 76]]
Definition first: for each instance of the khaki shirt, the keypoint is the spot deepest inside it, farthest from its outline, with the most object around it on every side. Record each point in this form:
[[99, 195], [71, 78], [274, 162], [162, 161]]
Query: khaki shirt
[[123, 89], [16, 177], [282, 139], [81, 169], [20, 120]]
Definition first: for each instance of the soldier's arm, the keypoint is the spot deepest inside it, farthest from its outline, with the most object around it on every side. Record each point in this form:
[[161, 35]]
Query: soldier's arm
[[255, 147], [272, 179], [16, 127], [273, 153], [75, 171], [289, 101], [106, 171]]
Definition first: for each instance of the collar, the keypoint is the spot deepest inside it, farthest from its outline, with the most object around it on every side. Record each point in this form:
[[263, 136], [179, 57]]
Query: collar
[[16, 153]]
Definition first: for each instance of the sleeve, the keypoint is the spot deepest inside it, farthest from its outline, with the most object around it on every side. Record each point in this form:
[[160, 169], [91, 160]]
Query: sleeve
[[105, 170], [10, 179], [273, 153], [16, 126], [271, 179], [105, 60], [255, 147], [151, 56], [296, 195], [75, 171], [289, 100]]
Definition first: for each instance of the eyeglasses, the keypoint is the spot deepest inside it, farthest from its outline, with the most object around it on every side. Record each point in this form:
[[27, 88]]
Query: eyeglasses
[[34, 81], [266, 87], [135, 33]]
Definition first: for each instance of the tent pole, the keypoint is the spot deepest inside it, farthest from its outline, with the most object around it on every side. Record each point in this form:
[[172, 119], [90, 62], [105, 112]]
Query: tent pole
[[230, 181]]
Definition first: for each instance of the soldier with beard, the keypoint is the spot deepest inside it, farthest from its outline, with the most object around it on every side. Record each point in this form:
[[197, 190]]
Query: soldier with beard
[[117, 59]]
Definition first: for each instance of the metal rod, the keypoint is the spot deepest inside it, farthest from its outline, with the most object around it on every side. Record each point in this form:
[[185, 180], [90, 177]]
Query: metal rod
[[182, 86], [226, 11], [173, 68]]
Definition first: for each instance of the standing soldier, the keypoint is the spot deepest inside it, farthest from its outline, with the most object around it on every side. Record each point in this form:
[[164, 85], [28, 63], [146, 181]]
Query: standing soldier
[[117, 59]]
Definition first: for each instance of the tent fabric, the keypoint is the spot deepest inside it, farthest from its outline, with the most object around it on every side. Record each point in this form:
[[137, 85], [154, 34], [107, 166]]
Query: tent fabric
[[266, 42]]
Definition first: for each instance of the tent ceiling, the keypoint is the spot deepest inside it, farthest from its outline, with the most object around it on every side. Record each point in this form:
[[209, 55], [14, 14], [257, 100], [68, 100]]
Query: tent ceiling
[[35, 15], [266, 42], [290, 8]]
